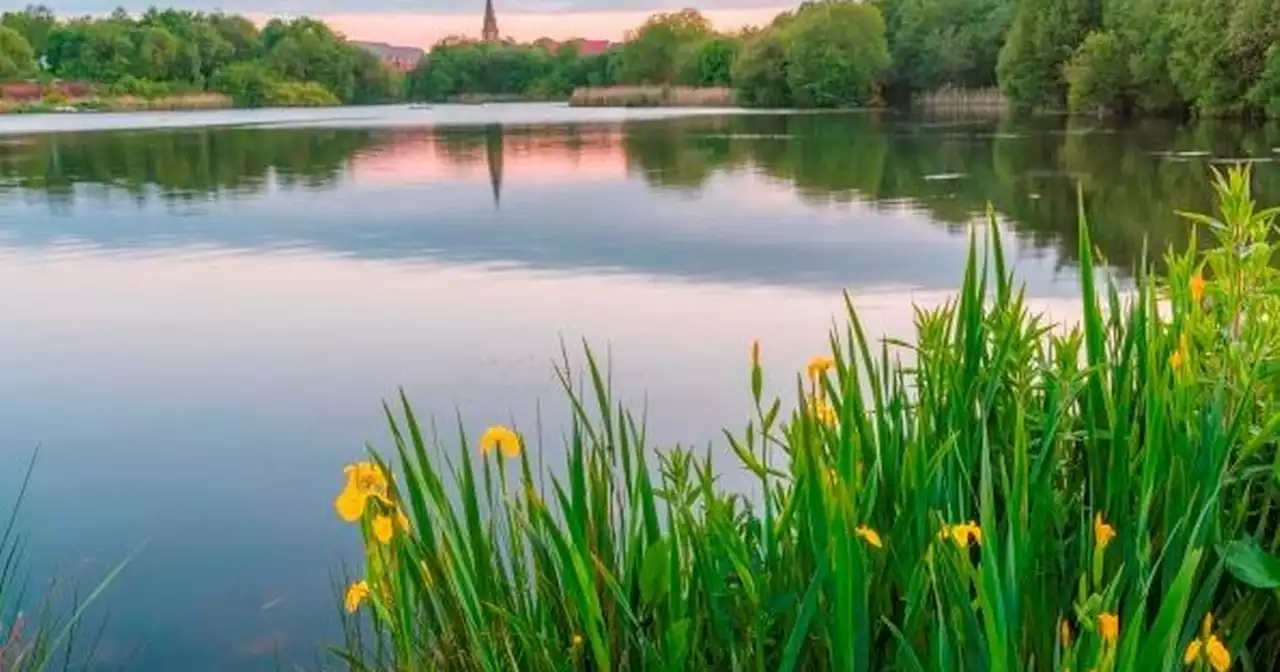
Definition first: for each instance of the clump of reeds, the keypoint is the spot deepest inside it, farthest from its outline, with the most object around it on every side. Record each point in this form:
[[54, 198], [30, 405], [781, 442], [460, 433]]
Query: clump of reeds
[[1003, 493], [177, 101], [953, 100], [652, 96]]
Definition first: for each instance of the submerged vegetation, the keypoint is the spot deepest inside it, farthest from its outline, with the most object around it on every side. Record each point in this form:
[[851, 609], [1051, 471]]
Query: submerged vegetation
[[1003, 493]]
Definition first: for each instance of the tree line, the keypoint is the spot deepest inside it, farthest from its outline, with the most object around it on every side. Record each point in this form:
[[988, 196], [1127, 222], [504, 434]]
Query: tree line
[[822, 54], [1152, 57], [170, 51]]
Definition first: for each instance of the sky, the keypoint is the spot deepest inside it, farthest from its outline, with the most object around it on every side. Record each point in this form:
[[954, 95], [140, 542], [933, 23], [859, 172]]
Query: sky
[[423, 22]]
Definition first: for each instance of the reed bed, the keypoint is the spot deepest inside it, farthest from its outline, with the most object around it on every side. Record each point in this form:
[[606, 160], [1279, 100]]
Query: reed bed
[[967, 101], [1002, 493], [652, 96]]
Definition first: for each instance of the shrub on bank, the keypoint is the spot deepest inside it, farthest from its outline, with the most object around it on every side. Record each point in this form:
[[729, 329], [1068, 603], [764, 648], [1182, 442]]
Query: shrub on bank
[[1003, 493]]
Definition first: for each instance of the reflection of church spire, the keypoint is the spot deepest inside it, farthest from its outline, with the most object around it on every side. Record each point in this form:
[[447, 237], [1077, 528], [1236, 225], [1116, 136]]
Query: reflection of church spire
[[493, 156], [490, 31]]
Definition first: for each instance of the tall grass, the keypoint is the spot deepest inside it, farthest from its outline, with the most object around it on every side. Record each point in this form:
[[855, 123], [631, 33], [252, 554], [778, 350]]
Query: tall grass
[[652, 96], [34, 635], [1003, 493]]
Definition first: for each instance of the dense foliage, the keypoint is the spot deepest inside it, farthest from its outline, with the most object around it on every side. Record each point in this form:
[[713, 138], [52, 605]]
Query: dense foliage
[[1173, 57], [825, 54], [1003, 493], [176, 51], [1207, 57]]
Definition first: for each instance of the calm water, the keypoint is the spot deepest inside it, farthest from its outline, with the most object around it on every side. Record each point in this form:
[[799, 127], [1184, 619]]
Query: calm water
[[198, 322]]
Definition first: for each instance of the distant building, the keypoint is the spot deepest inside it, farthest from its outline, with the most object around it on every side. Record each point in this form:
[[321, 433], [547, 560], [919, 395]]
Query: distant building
[[400, 58], [489, 33]]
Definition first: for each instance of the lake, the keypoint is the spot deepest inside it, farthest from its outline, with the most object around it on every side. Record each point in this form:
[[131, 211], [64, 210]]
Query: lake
[[203, 311]]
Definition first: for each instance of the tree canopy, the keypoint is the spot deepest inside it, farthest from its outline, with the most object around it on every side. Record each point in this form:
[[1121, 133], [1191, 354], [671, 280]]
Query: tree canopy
[[173, 51], [1204, 57]]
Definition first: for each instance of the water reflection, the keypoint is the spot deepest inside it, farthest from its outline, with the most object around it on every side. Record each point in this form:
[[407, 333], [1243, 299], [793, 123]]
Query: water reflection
[[1133, 178]]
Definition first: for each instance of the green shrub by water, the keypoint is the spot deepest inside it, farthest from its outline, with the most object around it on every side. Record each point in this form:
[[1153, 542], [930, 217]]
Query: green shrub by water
[[1002, 493]]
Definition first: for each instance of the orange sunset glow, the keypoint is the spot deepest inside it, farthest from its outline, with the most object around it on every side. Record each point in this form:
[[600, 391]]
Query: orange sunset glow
[[421, 157], [423, 30]]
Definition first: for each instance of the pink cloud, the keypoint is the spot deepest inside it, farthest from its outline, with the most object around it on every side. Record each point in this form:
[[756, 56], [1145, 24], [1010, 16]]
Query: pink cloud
[[423, 30]]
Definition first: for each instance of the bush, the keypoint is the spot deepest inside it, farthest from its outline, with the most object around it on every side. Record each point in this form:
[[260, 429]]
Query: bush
[[299, 94], [1265, 94], [760, 73], [1097, 75], [836, 51], [710, 61], [17, 59]]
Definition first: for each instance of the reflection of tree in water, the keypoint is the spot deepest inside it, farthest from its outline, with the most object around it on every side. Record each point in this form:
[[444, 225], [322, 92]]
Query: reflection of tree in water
[[948, 170], [179, 163], [1028, 170]]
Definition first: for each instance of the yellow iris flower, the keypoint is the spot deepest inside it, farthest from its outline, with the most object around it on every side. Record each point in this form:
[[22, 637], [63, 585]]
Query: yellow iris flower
[[1103, 533], [355, 595], [820, 365], [364, 480], [1109, 627], [501, 438]]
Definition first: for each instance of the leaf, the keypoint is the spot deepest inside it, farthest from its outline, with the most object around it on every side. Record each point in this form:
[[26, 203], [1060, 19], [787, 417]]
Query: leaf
[[654, 577], [678, 638], [1252, 565]]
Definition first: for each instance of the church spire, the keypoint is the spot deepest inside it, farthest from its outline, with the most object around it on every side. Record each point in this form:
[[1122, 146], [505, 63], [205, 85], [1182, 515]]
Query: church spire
[[490, 31]]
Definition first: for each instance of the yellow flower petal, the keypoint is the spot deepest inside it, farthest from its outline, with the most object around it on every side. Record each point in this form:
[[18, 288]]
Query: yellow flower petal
[[1109, 627], [1218, 655], [350, 504], [383, 529], [819, 365], [1064, 633], [1102, 532], [501, 438], [870, 536], [355, 595], [1193, 652], [1197, 286]]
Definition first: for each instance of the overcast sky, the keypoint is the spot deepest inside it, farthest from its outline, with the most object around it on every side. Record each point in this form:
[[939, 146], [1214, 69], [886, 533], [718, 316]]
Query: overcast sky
[[423, 22]]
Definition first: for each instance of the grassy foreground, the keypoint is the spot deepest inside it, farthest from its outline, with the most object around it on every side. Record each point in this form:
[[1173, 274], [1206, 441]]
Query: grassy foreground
[[1003, 494]]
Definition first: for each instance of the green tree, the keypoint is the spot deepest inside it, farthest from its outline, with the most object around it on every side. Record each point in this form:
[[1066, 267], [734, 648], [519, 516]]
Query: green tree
[[91, 50], [835, 53], [158, 55], [709, 62], [248, 83], [760, 73], [938, 43], [1097, 75], [1199, 61], [1043, 36], [33, 22], [1264, 95], [17, 59], [651, 54]]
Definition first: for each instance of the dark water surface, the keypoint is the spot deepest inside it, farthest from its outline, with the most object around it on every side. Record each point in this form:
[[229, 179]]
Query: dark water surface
[[197, 323]]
